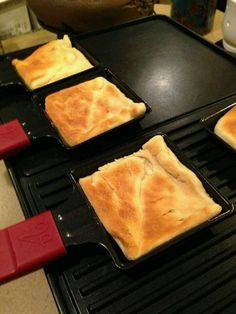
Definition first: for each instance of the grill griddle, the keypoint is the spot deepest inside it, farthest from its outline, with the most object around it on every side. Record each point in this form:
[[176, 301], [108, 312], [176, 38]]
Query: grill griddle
[[203, 265], [196, 275], [166, 64]]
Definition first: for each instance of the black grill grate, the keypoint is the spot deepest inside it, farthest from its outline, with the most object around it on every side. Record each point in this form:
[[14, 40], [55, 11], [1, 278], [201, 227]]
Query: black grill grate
[[196, 275]]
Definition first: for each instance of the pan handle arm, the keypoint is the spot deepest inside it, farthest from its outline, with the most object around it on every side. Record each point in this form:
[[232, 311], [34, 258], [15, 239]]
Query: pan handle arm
[[13, 138], [29, 245]]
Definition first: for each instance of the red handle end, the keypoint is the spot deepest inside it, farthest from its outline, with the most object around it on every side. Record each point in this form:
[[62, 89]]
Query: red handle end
[[29, 245], [12, 138]]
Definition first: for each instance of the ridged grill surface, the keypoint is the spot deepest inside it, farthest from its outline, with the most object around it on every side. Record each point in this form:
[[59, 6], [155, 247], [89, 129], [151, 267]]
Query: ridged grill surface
[[196, 275]]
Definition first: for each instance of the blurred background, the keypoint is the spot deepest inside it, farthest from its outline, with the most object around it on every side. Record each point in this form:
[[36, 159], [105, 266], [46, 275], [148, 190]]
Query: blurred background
[[20, 28]]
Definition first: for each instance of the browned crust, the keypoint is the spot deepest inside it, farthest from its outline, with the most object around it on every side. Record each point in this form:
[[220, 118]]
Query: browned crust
[[50, 63], [83, 111], [226, 127], [147, 198]]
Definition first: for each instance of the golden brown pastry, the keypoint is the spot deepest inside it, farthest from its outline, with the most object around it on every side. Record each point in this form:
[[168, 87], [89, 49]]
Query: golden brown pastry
[[90, 108], [50, 63], [147, 198], [225, 128]]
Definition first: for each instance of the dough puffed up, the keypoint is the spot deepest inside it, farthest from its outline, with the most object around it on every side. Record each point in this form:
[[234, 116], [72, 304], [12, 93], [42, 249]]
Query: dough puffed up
[[90, 108], [225, 128], [50, 63], [147, 198]]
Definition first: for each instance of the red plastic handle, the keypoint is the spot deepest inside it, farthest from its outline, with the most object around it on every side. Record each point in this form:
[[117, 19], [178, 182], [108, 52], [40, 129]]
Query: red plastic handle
[[29, 245], [12, 138]]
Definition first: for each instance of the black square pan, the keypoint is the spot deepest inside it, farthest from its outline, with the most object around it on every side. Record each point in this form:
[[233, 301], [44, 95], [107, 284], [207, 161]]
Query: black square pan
[[53, 233], [27, 52], [92, 165], [41, 94], [210, 121], [32, 119]]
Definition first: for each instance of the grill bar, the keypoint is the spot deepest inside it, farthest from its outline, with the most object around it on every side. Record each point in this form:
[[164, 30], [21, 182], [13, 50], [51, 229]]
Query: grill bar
[[201, 268]]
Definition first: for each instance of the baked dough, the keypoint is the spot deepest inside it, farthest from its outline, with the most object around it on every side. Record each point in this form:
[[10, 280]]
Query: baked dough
[[50, 63], [147, 198], [225, 128], [90, 108]]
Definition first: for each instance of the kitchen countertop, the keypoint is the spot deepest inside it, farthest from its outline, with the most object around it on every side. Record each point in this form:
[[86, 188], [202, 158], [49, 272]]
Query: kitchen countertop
[[31, 293]]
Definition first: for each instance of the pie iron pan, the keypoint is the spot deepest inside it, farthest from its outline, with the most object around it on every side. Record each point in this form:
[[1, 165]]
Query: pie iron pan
[[43, 238], [210, 121], [17, 79], [24, 118]]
